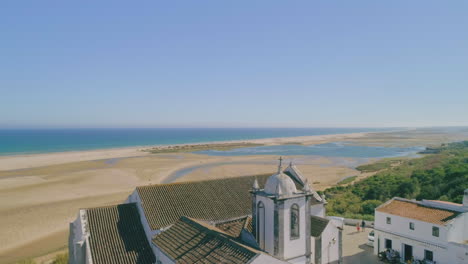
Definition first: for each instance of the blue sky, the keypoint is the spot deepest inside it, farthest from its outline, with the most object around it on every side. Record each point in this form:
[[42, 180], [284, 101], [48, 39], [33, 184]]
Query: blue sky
[[233, 63]]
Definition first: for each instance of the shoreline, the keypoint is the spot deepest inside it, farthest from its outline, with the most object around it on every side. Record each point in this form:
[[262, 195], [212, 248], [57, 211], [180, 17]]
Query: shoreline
[[27, 161], [62, 183]]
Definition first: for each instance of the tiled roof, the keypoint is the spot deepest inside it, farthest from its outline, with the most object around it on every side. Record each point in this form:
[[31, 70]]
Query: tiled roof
[[191, 241], [299, 179], [117, 236], [220, 199], [317, 225], [415, 210], [234, 227]]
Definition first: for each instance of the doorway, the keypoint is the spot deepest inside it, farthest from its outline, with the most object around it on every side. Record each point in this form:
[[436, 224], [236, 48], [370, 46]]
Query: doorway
[[408, 252]]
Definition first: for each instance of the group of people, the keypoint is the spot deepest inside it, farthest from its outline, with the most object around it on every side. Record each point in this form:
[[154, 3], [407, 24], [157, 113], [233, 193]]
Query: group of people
[[361, 227]]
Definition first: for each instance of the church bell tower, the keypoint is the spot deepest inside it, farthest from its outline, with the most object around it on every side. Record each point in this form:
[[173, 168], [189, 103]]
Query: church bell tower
[[281, 217]]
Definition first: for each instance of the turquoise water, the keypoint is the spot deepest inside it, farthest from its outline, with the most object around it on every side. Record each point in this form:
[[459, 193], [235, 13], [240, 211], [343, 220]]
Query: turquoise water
[[16, 141], [335, 149]]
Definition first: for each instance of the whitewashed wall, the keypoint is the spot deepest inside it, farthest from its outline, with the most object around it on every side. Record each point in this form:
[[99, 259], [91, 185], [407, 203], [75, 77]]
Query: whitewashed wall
[[458, 253], [161, 257], [330, 244], [420, 239], [400, 226], [80, 253], [266, 259], [295, 248], [269, 222], [317, 210]]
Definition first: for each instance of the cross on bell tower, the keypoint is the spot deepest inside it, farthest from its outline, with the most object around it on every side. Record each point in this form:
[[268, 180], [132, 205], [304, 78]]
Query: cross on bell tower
[[280, 162]]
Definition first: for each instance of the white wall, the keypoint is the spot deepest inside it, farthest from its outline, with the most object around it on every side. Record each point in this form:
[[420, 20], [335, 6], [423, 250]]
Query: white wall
[[296, 247], [266, 259], [269, 223], [420, 238], [330, 244], [80, 253], [458, 253], [441, 255], [161, 257], [317, 210], [458, 229], [299, 260], [400, 226]]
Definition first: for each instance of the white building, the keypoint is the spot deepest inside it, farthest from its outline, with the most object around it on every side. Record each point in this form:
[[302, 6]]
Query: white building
[[230, 220], [423, 230]]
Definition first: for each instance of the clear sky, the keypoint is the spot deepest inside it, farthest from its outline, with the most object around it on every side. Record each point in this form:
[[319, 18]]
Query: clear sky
[[233, 63]]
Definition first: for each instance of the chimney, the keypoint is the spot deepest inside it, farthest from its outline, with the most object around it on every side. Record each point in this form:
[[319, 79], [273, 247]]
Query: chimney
[[465, 198]]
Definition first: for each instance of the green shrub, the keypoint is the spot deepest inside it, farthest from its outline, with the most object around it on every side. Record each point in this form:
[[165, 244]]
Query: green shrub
[[441, 176]]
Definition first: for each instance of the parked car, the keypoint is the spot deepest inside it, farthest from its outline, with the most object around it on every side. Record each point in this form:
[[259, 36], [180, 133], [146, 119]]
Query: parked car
[[370, 239]]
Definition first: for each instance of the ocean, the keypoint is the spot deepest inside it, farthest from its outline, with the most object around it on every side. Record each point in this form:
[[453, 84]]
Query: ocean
[[32, 141]]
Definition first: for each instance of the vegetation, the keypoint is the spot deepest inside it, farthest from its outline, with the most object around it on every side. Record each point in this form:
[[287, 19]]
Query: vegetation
[[59, 259], [380, 165], [27, 261], [439, 176], [200, 147], [347, 180]]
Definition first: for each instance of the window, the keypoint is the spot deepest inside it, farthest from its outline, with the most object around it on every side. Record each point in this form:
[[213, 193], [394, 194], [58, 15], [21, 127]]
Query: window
[[435, 231], [411, 225], [294, 221], [388, 243], [428, 255], [389, 220]]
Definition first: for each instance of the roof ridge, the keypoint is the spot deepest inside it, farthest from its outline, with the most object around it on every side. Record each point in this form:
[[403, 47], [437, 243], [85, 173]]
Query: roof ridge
[[107, 206], [420, 203], [200, 181], [320, 218], [230, 219]]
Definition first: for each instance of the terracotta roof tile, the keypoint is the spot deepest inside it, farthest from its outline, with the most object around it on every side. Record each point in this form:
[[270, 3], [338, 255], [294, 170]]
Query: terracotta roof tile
[[191, 241], [415, 210], [117, 236]]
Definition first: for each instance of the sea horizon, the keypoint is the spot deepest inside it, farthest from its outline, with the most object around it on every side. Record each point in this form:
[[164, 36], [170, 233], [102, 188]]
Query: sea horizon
[[52, 140]]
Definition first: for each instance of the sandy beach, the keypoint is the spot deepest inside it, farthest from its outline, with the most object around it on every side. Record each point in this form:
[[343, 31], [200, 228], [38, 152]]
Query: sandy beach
[[37, 160], [40, 194]]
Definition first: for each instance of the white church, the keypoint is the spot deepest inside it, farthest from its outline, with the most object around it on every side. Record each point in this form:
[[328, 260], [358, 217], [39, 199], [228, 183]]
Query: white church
[[255, 219]]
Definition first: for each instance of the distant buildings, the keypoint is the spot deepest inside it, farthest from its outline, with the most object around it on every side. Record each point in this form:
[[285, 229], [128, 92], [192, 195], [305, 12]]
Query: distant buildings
[[231, 220], [434, 231]]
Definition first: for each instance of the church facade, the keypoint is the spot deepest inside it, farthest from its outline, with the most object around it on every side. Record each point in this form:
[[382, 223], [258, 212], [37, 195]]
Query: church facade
[[275, 218]]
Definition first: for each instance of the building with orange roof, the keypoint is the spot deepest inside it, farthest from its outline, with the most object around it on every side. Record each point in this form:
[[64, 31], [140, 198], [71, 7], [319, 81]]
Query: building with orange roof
[[434, 231]]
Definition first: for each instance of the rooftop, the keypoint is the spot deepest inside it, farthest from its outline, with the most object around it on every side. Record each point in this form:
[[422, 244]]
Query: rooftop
[[210, 200], [234, 227], [117, 236], [317, 225], [416, 210], [192, 241]]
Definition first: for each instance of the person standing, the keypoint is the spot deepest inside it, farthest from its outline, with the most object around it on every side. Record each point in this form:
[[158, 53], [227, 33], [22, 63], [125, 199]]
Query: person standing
[[363, 225], [357, 226]]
